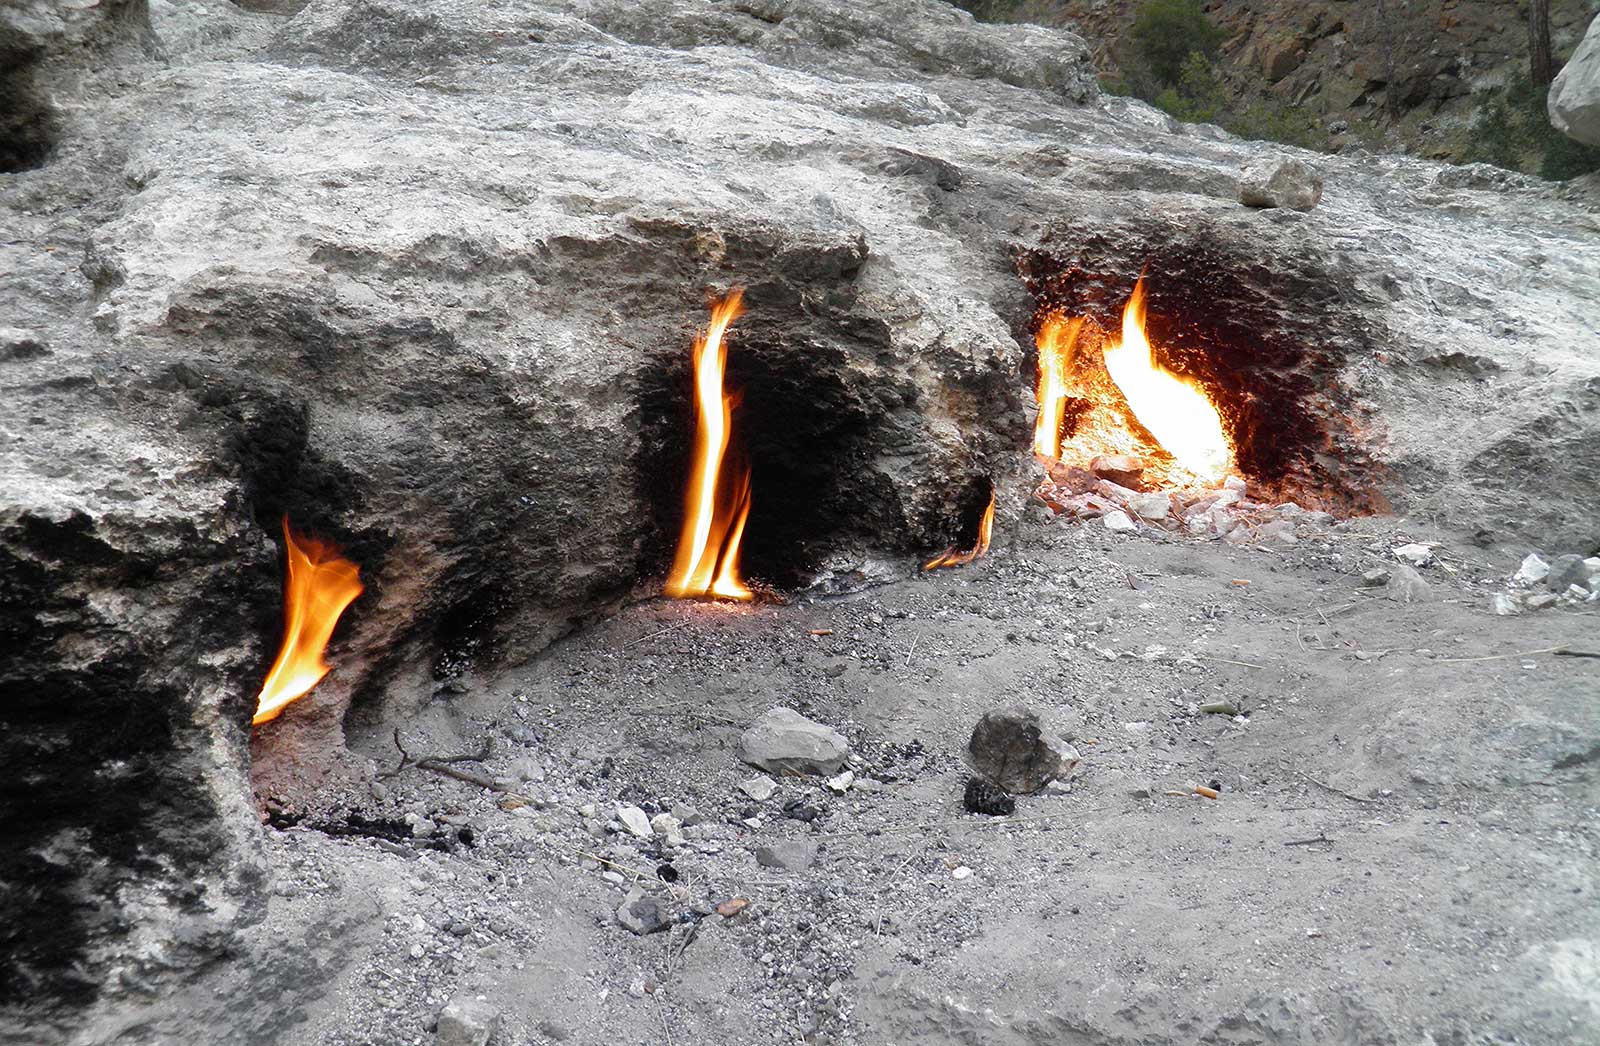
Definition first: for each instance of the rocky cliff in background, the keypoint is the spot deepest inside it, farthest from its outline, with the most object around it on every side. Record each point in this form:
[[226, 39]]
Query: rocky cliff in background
[[1405, 74], [423, 276]]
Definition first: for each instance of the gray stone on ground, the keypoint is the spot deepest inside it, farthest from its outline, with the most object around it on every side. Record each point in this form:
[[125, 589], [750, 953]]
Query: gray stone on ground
[[760, 788], [1566, 571], [1542, 601], [1407, 586], [1151, 506], [784, 740], [792, 856], [1377, 577], [1117, 521], [1574, 99], [1533, 568], [466, 1020], [635, 821], [644, 913], [1280, 183], [1011, 748]]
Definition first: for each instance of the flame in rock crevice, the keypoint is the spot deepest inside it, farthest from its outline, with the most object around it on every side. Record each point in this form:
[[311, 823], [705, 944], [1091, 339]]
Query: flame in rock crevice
[[319, 585], [718, 497], [953, 557], [1056, 341], [1177, 413]]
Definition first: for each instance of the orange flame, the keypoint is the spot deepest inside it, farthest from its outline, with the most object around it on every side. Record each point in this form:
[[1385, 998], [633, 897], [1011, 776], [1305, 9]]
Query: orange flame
[[1057, 338], [952, 557], [1176, 412], [320, 584], [707, 562]]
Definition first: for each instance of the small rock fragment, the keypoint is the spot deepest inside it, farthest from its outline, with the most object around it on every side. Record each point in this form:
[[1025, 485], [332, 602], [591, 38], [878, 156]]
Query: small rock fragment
[[732, 906], [1227, 708], [1279, 531], [1377, 577], [841, 784], [643, 913], [466, 1020], [1153, 507], [981, 797], [1542, 600], [783, 739], [1415, 554], [1533, 568], [1504, 604], [1281, 183], [1407, 586], [786, 856], [961, 872], [759, 788], [1118, 468], [1117, 522], [668, 828], [1009, 747], [635, 821], [1566, 571]]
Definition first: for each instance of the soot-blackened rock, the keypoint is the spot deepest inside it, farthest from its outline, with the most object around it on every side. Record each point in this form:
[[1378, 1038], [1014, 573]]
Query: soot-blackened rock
[[1012, 749], [982, 797]]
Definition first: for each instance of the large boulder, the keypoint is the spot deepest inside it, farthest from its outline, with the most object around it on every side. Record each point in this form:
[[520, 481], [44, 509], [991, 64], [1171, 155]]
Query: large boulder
[[1575, 96]]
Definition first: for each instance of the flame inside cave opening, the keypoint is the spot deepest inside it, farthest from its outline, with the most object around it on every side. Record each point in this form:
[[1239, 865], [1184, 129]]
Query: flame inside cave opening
[[318, 586], [717, 498], [1089, 402]]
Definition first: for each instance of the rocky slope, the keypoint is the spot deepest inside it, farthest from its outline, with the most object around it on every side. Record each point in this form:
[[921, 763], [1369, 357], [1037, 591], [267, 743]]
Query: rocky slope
[[1396, 74], [424, 276]]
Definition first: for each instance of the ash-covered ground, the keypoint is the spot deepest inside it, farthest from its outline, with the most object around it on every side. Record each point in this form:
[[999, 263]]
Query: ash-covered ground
[[1404, 849]]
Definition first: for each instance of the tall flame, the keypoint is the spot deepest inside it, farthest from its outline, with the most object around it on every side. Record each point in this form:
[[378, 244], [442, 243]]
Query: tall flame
[[319, 585], [1057, 338], [1177, 413], [952, 557], [718, 500]]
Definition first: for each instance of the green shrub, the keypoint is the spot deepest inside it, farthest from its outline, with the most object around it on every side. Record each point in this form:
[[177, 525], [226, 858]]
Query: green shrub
[[1166, 32], [1511, 129]]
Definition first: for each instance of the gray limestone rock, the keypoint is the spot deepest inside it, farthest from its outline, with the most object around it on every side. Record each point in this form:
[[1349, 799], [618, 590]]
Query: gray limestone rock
[[1565, 571], [1011, 748], [1294, 184], [784, 740], [1574, 99], [787, 856], [644, 913], [466, 1020], [1405, 585]]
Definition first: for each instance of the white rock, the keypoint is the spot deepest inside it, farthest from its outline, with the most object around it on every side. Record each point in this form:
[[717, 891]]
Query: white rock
[[635, 821], [1533, 568], [1504, 604], [1592, 566], [961, 872], [1415, 554], [1151, 506], [841, 784], [759, 788], [1235, 484], [1574, 100], [668, 827], [1117, 522]]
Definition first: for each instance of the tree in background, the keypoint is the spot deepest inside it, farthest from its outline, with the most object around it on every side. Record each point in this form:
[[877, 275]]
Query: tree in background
[[1540, 70], [1166, 32]]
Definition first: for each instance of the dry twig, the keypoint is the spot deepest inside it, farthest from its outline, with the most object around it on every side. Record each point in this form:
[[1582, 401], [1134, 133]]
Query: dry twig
[[1336, 791]]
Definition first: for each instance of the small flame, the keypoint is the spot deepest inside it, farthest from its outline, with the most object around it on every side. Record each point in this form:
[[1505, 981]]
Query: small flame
[[718, 500], [1057, 339], [1175, 411], [951, 557], [320, 584]]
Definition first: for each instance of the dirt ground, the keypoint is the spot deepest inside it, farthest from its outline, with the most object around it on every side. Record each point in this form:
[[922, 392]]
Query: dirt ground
[[1404, 849]]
